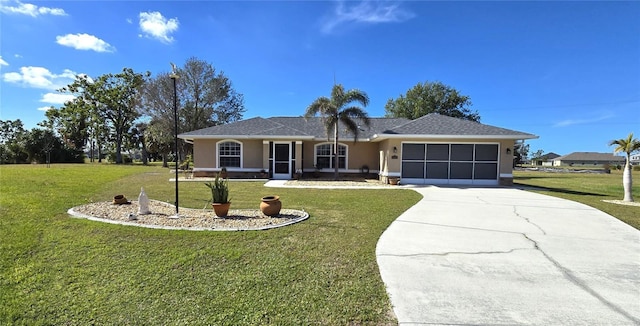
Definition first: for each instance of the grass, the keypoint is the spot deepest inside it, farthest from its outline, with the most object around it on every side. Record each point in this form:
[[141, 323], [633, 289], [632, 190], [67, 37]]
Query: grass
[[587, 188], [58, 270]]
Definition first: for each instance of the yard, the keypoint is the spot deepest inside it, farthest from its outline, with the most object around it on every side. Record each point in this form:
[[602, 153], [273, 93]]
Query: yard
[[586, 188], [58, 270]]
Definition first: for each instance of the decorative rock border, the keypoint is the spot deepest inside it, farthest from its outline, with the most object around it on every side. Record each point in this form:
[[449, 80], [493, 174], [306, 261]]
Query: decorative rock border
[[190, 219]]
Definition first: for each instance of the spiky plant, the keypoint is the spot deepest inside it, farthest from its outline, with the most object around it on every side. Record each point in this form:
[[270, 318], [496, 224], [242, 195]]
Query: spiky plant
[[626, 145]]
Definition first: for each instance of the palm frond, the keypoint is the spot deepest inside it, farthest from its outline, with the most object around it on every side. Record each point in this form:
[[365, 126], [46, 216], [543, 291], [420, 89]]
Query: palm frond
[[626, 145]]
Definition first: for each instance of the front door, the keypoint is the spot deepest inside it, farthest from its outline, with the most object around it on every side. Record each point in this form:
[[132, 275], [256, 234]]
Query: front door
[[282, 161]]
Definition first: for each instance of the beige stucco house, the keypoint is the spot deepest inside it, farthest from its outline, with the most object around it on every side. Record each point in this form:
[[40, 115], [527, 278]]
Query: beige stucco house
[[589, 159], [433, 149]]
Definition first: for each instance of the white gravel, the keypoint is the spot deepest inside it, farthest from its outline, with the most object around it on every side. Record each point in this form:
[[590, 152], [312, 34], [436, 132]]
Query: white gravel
[[162, 214]]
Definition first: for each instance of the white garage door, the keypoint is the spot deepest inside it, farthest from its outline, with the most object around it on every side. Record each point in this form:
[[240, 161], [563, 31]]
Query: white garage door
[[438, 163]]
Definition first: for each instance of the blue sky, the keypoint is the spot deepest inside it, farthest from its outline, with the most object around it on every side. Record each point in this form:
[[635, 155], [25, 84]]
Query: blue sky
[[568, 72]]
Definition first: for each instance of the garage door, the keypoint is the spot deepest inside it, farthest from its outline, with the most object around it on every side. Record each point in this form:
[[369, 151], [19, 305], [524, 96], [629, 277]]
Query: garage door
[[438, 163]]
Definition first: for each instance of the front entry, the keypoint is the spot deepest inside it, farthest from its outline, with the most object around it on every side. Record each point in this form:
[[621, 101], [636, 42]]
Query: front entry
[[282, 161]]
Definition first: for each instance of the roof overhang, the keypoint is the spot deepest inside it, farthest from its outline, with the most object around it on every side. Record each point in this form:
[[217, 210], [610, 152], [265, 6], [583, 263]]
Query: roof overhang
[[260, 137], [381, 137]]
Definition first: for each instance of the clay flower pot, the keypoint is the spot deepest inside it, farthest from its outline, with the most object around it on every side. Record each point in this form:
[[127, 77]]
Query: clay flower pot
[[270, 205], [220, 209]]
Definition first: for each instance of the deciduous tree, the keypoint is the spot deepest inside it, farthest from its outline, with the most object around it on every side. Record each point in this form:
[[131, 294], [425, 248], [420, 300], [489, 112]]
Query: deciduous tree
[[431, 97]]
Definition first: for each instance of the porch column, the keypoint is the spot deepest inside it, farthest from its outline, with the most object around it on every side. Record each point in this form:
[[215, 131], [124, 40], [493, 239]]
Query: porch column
[[265, 155], [298, 156]]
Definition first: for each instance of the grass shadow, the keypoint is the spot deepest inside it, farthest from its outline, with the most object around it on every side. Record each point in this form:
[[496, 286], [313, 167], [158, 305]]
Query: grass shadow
[[558, 190]]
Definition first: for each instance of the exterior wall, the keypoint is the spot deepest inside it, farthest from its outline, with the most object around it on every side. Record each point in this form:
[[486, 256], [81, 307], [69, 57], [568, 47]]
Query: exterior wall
[[390, 162], [378, 156], [205, 158], [358, 154], [587, 163], [204, 153]]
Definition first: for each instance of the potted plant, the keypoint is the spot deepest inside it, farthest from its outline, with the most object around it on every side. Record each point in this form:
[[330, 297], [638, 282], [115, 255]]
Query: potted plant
[[220, 195], [223, 173], [298, 174]]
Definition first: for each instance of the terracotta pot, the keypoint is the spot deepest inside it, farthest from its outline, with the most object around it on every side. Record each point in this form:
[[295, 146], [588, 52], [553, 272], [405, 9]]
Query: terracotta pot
[[270, 205], [221, 209]]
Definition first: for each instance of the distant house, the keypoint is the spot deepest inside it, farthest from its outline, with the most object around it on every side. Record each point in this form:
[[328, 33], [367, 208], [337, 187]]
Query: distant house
[[635, 159], [433, 149], [588, 159], [546, 159]]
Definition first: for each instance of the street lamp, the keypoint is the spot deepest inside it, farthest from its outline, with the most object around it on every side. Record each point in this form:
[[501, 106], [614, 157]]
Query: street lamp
[[174, 76]]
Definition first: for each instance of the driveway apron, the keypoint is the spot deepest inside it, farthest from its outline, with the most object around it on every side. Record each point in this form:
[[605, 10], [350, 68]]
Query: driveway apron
[[503, 256]]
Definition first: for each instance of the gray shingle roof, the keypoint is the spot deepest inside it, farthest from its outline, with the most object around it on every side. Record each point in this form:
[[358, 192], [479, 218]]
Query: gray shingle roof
[[436, 124], [591, 157], [428, 125]]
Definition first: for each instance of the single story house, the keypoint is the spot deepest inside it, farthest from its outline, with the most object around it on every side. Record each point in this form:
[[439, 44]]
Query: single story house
[[546, 159], [433, 149], [589, 159]]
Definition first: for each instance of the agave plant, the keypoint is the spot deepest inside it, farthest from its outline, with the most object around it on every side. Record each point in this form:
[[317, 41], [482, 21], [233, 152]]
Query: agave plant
[[219, 190]]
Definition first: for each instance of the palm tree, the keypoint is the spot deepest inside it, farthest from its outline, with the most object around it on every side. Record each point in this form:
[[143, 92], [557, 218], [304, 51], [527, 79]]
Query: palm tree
[[338, 109], [628, 146]]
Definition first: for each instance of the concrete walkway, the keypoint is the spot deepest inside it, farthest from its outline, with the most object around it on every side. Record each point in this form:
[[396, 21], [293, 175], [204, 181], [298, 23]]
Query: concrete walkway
[[498, 256]]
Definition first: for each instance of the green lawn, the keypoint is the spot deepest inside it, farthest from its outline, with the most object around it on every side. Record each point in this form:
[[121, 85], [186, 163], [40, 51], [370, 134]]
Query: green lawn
[[587, 188], [59, 270]]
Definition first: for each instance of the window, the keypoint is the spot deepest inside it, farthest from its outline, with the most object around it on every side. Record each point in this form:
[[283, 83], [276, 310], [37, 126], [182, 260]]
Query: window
[[324, 156], [229, 154]]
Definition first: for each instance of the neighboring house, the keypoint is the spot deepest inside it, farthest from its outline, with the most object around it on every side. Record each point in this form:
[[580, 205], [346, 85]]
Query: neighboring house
[[433, 149], [635, 159], [545, 159], [589, 159]]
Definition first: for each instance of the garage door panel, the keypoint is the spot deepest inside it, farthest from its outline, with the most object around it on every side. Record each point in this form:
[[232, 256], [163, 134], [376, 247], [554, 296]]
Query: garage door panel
[[437, 152], [437, 170], [486, 152], [486, 171], [413, 151], [462, 152], [413, 170], [461, 170]]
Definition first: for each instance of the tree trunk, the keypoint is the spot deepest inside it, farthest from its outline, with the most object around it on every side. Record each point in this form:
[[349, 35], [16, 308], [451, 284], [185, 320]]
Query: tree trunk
[[627, 181], [165, 164], [99, 152], [119, 150], [335, 151]]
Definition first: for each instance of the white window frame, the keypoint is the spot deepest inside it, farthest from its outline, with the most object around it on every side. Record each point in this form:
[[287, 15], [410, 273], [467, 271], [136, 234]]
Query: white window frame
[[218, 156], [331, 158]]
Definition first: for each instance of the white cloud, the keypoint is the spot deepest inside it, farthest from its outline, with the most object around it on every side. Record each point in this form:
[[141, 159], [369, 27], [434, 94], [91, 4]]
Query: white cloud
[[40, 77], [30, 9], [84, 42], [571, 122], [154, 25], [56, 98], [2, 62], [44, 108], [370, 12]]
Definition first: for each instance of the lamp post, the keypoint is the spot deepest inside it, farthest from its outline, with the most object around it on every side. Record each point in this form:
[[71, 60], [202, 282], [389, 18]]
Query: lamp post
[[174, 76]]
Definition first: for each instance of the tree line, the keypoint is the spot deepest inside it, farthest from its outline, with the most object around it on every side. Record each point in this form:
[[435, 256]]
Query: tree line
[[132, 111], [126, 111]]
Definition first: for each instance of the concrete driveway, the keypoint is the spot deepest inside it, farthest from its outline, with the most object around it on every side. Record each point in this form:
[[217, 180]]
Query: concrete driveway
[[501, 256]]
